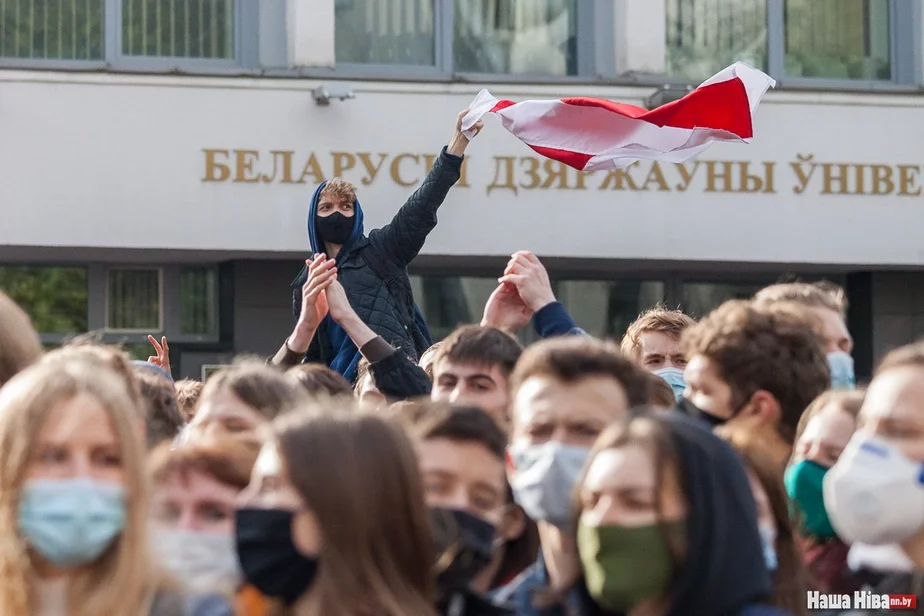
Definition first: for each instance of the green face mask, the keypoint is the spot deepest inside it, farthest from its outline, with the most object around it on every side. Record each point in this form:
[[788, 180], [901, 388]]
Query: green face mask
[[625, 566], [803, 482]]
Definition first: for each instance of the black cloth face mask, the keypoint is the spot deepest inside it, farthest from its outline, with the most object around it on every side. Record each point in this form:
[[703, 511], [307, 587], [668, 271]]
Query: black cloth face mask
[[269, 559], [691, 410], [335, 228], [464, 543]]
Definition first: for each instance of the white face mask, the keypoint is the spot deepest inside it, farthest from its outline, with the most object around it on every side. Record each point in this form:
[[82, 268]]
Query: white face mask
[[202, 561], [874, 494]]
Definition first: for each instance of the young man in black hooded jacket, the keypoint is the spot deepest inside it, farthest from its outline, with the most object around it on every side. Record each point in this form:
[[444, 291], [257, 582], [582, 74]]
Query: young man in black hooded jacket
[[372, 270]]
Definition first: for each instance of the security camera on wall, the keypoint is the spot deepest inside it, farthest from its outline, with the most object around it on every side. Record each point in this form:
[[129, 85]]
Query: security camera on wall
[[324, 93]]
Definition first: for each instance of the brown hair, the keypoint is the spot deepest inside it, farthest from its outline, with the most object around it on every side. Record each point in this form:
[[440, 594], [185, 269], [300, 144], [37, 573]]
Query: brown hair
[[846, 400], [662, 396], [770, 348], [20, 346], [761, 454], [658, 319], [266, 390], [187, 397], [163, 420], [86, 351], [463, 424], [228, 461], [480, 346], [339, 189], [432, 352], [573, 358], [811, 295], [359, 476], [318, 379], [908, 356], [123, 578]]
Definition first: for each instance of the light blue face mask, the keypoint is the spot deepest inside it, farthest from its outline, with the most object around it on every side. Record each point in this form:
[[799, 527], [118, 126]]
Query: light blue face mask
[[674, 378], [768, 541], [544, 480], [842, 375], [71, 522]]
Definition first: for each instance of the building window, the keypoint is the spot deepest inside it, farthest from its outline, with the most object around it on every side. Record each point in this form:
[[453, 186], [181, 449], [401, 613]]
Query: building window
[[189, 29], [705, 36], [839, 39], [134, 300], [699, 298], [529, 37], [198, 301], [52, 29], [796, 39], [55, 298], [385, 32], [515, 36], [77, 30]]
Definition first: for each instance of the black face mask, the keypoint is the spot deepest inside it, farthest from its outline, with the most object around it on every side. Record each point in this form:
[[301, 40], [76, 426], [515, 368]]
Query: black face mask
[[335, 228], [464, 545], [688, 408], [269, 559]]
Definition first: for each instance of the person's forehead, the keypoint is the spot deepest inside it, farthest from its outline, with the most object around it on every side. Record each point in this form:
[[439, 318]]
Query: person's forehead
[[831, 422], [468, 460], [195, 485], [595, 397], [659, 343], [701, 368], [464, 370], [833, 325], [896, 394], [627, 467]]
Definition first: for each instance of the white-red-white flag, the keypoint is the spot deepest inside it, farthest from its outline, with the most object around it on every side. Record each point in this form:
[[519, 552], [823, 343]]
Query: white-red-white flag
[[592, 133]]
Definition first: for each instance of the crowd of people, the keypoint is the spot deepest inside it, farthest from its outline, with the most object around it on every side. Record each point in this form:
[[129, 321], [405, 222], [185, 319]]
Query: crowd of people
[[725, 467]]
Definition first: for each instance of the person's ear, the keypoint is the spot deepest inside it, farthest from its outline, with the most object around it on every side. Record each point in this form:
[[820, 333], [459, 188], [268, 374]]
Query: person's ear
[[764, 408]]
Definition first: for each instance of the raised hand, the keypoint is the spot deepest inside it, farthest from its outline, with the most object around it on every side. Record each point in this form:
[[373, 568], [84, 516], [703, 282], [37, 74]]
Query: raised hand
[[340, 307], [321, 273], [162, 350], [459, 141], [529, 276], [506, 310]]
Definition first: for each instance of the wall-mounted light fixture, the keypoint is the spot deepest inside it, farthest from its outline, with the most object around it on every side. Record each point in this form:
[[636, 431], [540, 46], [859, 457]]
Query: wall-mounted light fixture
[[325, 92], [667, 93]]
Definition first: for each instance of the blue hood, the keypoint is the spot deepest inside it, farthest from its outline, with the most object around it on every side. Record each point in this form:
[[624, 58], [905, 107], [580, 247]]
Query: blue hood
[[346, 356], [316, 247]]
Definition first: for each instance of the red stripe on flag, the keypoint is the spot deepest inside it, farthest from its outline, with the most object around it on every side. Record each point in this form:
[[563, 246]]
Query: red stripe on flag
[[717, 106], [501, 105], [572, 159]]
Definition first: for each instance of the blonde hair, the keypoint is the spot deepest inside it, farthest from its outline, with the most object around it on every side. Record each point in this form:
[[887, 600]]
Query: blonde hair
[[657, 319], [122, 580], [19, 343], [809, 294], [339, 189]]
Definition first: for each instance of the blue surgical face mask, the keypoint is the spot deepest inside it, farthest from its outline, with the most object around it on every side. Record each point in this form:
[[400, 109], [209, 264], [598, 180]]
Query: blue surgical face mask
[[842, 376], [71, 522], [544, 481], [768, 541], [674, 378]]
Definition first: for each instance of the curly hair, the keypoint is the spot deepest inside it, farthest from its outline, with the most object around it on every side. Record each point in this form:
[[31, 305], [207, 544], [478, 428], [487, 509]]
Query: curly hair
[[772, 348]]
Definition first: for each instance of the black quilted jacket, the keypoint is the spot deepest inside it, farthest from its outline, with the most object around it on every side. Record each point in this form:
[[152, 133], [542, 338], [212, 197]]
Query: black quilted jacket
[[395, 245]]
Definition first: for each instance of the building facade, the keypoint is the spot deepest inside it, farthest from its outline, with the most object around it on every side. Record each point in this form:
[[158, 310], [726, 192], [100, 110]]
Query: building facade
[[157, 158]]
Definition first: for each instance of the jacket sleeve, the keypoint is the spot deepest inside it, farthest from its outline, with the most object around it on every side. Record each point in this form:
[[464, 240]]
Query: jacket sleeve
[[402, 238], [553, 320], [396, 376]]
